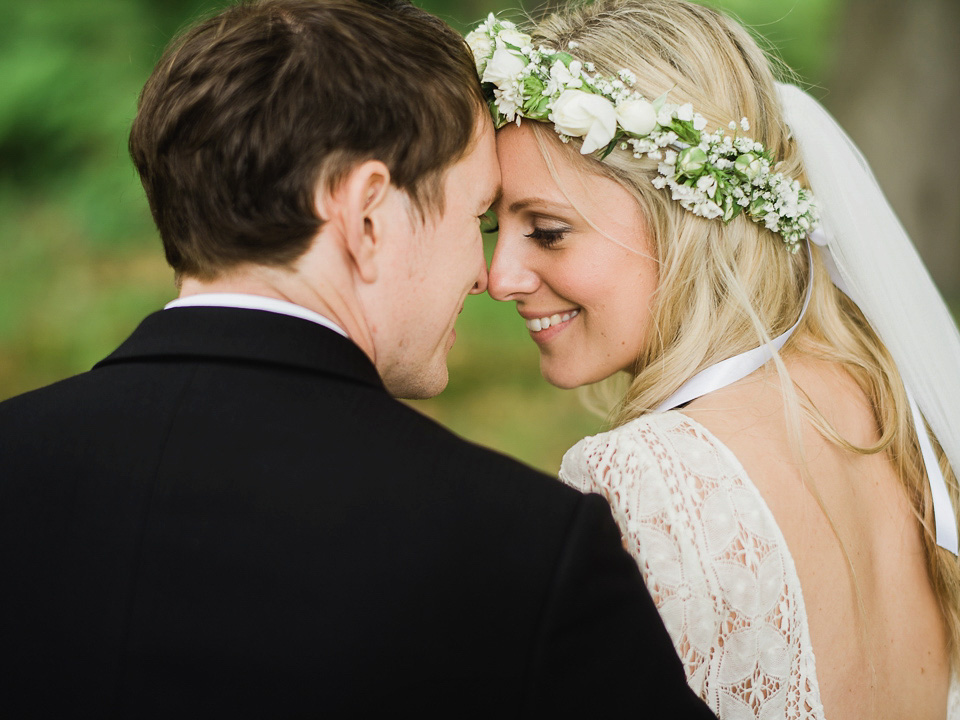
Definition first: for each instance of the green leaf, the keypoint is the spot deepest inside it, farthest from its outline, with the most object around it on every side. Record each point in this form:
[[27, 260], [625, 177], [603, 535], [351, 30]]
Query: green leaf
[[658, 103], [730, 208], [609, 148], [532, 85], [685, 131]]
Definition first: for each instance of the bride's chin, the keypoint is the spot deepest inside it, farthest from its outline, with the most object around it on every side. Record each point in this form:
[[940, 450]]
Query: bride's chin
[[559, 378], [568, 376]]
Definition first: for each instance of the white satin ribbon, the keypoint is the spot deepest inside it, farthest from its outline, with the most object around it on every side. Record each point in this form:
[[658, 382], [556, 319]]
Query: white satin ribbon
[[945, 527], [727, 372]]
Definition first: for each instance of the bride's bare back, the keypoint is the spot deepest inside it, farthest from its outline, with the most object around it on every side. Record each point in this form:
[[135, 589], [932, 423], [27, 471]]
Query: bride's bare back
[[877, 632]]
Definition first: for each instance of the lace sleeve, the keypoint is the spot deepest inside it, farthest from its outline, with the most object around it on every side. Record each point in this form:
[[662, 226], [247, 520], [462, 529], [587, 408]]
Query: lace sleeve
[[575, 470], [713, 559], [578, 472]]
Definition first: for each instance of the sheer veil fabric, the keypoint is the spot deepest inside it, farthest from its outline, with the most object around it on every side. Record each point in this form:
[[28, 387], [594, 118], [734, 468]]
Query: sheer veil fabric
[[876, 265]]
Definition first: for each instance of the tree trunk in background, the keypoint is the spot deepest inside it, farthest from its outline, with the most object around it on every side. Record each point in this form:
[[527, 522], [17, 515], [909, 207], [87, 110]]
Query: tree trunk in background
[[896, 90]]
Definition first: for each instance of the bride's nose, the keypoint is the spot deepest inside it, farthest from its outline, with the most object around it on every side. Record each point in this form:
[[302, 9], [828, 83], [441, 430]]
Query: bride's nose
[[510, 272]]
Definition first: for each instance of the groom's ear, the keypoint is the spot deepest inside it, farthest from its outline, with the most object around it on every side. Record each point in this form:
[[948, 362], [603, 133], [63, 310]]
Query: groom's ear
[[358, 209]]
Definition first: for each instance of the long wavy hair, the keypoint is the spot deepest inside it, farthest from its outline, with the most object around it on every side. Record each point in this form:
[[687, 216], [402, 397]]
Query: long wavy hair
[[723, 289]]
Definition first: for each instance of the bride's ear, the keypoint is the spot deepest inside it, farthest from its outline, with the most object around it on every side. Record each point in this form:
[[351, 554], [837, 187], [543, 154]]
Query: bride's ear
[[357, 207]]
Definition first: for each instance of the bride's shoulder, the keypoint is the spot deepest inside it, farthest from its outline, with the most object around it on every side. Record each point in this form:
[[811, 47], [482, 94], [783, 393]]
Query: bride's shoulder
[[653, 428], [649, 446]]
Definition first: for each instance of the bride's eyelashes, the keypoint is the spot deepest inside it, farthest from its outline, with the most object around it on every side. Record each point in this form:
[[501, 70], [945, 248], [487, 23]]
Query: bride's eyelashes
[[547, 237]]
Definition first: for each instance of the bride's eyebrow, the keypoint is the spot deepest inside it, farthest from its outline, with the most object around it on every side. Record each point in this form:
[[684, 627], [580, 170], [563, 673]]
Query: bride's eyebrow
[[540, 204]]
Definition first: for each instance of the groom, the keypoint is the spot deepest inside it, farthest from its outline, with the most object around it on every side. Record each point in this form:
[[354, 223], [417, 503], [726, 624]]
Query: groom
[[230, 516]]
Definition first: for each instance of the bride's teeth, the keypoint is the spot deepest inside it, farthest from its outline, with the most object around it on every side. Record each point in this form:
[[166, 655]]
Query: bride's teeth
[[538, 324]]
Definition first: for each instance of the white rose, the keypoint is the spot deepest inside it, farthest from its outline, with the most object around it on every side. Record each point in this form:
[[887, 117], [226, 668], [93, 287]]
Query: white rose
[[503, 68], [749, 165], [685, 112], [637, 116], [515, 38], [585, 115], [481, 45], [691, 161]]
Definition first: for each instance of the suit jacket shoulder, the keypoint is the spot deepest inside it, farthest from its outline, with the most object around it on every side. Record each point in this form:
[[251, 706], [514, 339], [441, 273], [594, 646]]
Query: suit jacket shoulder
[[231, 513]]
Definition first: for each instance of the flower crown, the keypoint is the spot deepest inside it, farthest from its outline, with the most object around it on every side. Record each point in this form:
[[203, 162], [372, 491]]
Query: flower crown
[[711, 174]]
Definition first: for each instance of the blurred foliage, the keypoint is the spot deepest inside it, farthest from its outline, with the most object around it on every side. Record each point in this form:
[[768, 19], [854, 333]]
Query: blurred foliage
[[80, 262], [801, 33]]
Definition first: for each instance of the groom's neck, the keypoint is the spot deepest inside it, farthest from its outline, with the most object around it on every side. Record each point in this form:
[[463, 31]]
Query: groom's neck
[[328, 296]]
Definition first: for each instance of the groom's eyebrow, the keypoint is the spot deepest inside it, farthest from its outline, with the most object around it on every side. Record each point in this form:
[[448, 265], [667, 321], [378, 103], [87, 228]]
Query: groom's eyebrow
[[494, 199]]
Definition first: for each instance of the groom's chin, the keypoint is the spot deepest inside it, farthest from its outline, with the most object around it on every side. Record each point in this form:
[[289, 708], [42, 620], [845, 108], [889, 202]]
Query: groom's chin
[[418, 385]]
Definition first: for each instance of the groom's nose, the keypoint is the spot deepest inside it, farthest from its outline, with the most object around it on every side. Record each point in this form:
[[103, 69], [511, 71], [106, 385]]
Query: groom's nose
[[480, 286]]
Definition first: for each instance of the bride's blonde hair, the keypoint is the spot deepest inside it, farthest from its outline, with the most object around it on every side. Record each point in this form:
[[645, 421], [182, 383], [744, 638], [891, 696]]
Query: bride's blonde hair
[[723, 289]]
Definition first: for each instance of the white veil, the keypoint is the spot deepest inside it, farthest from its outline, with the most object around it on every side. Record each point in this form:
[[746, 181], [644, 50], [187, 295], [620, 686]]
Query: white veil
[[876, 265]]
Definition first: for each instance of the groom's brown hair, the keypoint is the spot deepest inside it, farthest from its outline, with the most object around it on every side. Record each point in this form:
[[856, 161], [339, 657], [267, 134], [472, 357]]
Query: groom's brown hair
[[247, 111]]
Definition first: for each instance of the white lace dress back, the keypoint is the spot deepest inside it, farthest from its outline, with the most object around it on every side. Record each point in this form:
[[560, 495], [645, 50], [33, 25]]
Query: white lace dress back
[[715, 562]]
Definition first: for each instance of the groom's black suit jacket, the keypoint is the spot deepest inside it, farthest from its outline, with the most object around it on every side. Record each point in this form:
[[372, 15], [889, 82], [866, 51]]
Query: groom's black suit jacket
[[230, 517]]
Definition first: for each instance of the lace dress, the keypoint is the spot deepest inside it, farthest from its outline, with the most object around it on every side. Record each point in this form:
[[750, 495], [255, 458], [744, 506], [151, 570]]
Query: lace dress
[[715, 562]]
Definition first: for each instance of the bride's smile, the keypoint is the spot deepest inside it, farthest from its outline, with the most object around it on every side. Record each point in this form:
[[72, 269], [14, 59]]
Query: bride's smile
[[538, 325]]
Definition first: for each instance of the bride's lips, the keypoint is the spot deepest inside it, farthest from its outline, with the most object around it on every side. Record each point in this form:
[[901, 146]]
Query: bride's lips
[[544, 328]]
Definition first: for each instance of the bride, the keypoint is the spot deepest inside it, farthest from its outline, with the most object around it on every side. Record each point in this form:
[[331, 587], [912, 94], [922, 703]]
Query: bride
[[672, 215]]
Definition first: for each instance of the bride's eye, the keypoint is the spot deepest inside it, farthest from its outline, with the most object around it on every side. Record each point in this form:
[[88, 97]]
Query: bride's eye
[[547, 237], [489, 222]]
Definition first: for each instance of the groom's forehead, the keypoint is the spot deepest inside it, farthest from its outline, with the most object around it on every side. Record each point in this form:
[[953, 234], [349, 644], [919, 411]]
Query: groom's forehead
[[481, 166]]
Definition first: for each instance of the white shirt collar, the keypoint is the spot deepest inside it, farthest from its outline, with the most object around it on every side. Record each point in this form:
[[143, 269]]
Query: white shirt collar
[[254, 302]]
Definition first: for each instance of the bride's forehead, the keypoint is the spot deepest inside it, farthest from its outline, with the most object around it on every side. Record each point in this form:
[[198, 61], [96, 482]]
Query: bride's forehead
[[542, 167], [526, 160], [517, 139], [537, 145]]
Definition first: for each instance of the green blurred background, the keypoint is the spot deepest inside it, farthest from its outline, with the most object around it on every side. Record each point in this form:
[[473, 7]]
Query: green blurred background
[[81, 264]]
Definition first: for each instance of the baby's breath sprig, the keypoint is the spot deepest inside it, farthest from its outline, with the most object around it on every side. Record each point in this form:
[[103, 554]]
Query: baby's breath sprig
[[713, 175]]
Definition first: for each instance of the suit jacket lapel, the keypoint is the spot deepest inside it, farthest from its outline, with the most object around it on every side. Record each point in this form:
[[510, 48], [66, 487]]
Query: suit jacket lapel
[[245, 335]]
